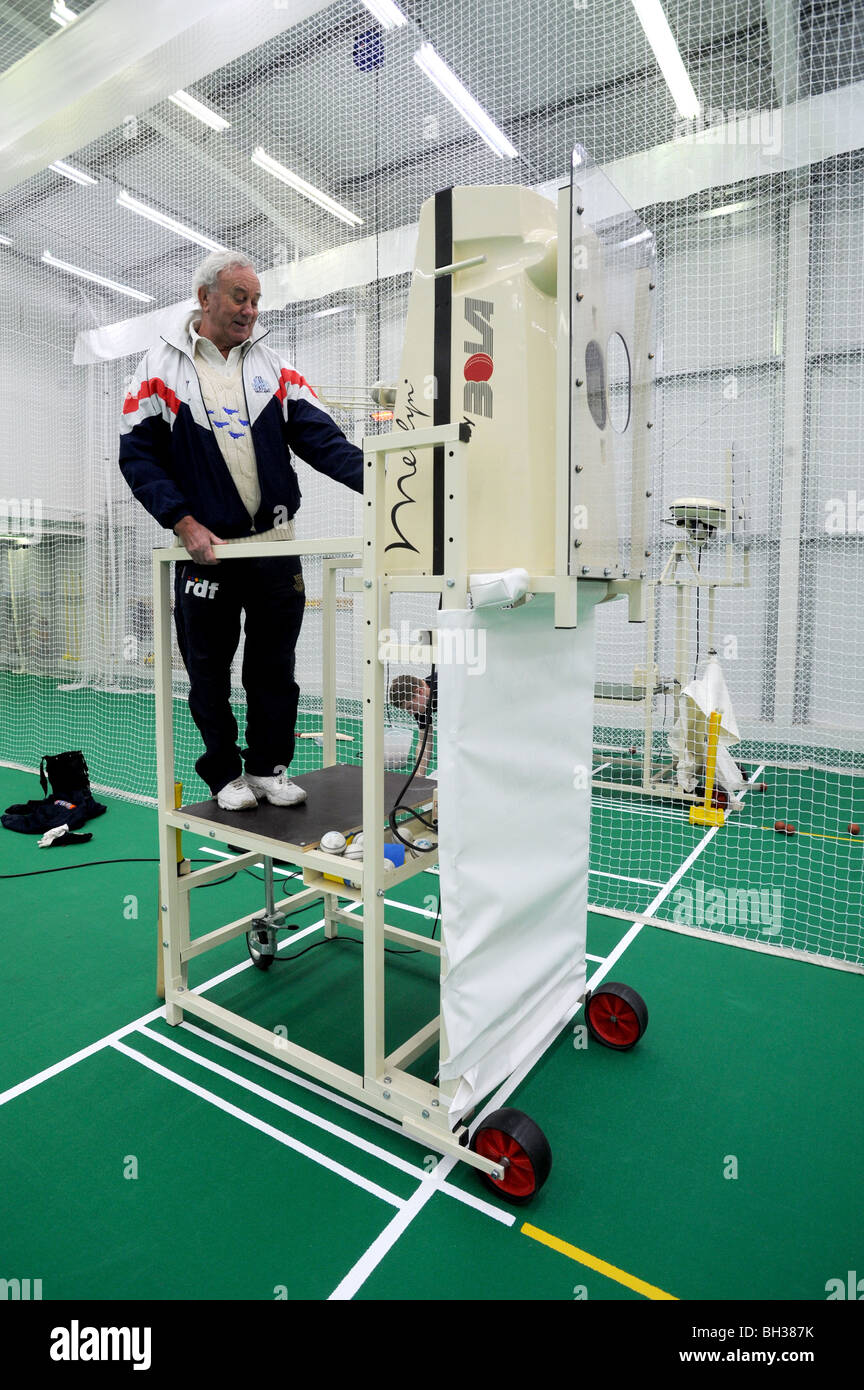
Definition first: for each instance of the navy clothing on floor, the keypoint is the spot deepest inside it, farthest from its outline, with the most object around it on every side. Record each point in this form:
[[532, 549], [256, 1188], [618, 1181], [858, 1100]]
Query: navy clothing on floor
[[35, 817], [209, 602]]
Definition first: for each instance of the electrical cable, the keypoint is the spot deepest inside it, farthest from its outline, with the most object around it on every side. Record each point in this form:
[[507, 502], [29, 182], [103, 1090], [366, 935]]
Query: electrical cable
[[397, 805], [93, 863], [358, 941]]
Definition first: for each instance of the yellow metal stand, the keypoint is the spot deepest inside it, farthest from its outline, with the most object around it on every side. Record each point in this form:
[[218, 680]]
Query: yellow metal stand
[[708, 814]]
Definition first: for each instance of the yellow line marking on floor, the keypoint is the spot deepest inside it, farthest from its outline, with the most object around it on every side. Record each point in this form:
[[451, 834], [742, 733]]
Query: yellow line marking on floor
[[583, 1258], [815, 835]]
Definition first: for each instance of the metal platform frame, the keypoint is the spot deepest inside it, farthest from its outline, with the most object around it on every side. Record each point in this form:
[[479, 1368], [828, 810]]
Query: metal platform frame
[[385, 1085]]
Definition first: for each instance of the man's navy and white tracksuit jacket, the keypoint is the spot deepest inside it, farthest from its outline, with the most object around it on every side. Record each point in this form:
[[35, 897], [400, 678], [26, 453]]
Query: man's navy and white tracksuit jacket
[[171, 460]]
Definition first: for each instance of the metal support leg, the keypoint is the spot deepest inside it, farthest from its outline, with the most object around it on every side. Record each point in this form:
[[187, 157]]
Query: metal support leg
[[373, 776], [331, 925], [174, 904]]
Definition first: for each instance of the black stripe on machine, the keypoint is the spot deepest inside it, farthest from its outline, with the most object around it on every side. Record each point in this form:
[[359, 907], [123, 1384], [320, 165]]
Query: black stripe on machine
[[441, 363]]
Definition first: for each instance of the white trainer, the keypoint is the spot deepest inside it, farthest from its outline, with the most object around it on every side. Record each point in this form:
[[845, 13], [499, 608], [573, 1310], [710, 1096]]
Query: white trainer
[[277, 790], [237, 796]]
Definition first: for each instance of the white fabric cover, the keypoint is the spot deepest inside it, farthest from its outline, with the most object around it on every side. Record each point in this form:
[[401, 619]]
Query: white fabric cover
[[689, 738], [514, 761], [506, 587]]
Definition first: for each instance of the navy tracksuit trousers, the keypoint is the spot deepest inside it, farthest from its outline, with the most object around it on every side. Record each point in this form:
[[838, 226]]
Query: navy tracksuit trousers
[[209, 601]]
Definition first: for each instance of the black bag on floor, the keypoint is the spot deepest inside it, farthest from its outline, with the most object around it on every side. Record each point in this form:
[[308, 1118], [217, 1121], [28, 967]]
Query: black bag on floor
[[71, 802], [67, 773]]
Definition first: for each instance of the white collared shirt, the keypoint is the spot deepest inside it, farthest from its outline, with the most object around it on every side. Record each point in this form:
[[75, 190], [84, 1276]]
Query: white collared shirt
[[221, 384], [206, 348]]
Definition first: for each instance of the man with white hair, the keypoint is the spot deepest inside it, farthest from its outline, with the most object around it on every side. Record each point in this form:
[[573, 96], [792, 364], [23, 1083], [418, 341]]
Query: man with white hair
[[207, 429]]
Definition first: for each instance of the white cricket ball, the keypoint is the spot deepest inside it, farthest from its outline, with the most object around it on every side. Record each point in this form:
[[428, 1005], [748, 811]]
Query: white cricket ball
[[333, 842]]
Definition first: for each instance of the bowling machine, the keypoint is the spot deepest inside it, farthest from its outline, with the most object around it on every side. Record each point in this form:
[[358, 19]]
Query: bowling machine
[[513, 485]]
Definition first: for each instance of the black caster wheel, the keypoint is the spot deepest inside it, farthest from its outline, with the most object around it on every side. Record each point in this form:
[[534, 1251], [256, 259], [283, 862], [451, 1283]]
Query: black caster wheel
[[261, 945], [616, 1016], [510, 1138]]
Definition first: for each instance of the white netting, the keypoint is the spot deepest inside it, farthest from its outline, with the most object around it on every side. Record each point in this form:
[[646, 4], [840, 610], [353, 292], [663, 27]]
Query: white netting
[[757, 206]]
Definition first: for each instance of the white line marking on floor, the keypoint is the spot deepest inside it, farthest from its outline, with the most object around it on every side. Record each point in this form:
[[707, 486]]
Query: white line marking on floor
[[468, 1199], [393, 902], [294, 1077], [371, 1258], [57, 1067], [412, 1169], [336, 1098], [270, 1130], [223, 854], [646, 882], [605, 803]]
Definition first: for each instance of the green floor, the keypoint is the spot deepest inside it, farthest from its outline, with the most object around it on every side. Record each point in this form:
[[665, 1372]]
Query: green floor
[[122, 1181]]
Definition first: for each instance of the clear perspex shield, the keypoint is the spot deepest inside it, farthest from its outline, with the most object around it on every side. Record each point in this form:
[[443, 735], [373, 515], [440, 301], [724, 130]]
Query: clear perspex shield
[[607, 340]]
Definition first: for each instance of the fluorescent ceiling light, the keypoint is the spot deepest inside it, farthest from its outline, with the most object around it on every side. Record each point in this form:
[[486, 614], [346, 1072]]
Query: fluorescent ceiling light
[[724, 212], [125, 200], [70, 172], [447, 82], [661, 39], [272, 166], [198, 109], [632, 240], [388, 15], [61, 14], [97, 279]]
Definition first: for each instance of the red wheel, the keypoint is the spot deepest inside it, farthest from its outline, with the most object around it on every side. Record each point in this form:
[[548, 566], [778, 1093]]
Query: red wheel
[[512, 1140], [616, 1016]]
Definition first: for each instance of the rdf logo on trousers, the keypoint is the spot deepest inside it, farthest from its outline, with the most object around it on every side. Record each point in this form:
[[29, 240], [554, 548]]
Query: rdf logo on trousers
[[201, 588]]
